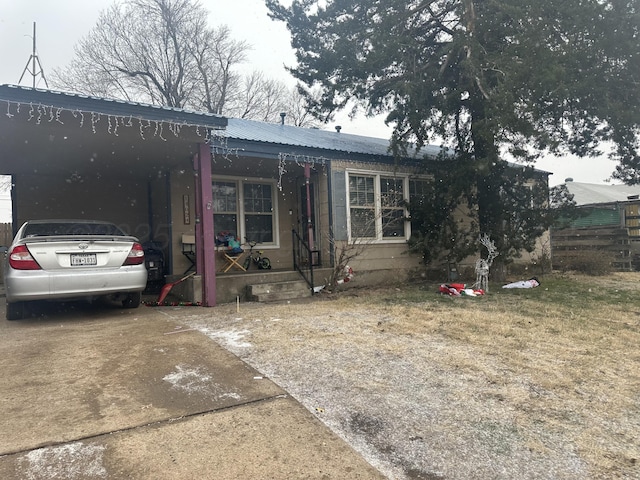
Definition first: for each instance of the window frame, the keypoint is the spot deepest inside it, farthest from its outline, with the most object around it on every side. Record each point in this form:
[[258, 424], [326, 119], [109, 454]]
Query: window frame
[[241, 217], [377, 206]]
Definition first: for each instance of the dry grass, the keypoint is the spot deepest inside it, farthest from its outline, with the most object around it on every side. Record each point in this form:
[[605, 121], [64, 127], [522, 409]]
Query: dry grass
[[541, 383]]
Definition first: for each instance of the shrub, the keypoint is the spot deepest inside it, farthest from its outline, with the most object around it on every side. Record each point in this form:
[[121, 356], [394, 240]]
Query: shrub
[[588, 262]]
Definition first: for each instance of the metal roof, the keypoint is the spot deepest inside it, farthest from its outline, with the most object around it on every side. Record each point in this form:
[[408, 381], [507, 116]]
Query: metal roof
[[105, 106], [590, 193], [313, 138]]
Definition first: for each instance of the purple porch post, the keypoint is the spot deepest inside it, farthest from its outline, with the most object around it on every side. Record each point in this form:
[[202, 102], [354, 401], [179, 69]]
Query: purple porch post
[[205, 244]]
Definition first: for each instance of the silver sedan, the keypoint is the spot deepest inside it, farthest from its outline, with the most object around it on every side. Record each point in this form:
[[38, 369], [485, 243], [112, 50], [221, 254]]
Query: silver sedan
[[72, 259]]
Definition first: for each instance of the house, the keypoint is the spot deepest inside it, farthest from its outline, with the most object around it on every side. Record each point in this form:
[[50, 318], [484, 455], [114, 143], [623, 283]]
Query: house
[[181, 180], [186, 182], [610, 222]]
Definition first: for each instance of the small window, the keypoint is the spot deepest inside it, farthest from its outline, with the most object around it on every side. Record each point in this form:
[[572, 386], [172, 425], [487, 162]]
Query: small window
[[391, 200], [225, 208], [362, 206], [258, 212]]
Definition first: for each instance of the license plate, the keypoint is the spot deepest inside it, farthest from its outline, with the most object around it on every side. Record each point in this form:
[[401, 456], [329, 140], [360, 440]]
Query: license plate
[[79, 259]]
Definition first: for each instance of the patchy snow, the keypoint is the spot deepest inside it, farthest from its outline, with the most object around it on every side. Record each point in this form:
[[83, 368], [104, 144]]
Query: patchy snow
[[229, 338], [190, 380], [71, 461], [194, 380]]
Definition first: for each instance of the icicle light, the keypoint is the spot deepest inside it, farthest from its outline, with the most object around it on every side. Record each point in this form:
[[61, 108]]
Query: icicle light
[[40, 113]]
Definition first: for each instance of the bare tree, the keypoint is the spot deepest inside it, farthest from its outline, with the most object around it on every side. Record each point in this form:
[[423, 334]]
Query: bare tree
[[216, 58], [259, 98], [163, 52], [298, 111], [262, 98], [156, 51]]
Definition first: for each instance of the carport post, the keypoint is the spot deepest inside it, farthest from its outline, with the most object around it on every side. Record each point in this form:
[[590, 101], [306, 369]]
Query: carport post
[[205, 245]]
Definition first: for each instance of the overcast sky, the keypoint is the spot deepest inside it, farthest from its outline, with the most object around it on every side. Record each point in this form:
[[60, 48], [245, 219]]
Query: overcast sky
[[61, 23]]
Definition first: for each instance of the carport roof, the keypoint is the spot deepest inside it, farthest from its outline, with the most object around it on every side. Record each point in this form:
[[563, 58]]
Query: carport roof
[[84, 103], [52, 133]]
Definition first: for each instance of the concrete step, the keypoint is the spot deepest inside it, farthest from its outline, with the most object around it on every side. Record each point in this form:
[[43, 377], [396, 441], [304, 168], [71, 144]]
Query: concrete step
[[275, 291]]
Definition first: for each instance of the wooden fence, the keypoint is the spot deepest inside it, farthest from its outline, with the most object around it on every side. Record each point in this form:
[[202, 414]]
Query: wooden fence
[[6, 234], [615, 241]]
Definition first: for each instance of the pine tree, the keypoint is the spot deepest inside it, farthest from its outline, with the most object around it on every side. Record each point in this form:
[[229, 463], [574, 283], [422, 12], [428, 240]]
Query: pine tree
[[491, 79]]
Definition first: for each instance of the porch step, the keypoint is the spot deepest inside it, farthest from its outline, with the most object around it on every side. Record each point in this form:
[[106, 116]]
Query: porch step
[[273, 292]]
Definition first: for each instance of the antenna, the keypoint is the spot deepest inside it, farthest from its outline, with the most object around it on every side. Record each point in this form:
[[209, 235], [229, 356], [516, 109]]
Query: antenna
[[36, 66]]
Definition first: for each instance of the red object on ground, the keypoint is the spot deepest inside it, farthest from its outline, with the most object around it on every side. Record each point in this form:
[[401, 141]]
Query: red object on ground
[[167, 288]]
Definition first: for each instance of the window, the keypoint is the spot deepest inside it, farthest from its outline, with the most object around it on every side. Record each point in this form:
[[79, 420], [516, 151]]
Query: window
[[258, 212], [392, 204], [245, 210], [376, 207], [225, 208], [418, 196], [362, 206]]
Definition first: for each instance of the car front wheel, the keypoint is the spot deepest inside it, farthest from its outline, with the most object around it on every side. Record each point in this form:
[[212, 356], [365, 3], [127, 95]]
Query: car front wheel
[[132, 300], [16, 310]]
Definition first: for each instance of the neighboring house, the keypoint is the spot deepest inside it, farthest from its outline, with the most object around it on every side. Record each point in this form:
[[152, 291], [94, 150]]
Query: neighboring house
[[183, 182], [610, 222]]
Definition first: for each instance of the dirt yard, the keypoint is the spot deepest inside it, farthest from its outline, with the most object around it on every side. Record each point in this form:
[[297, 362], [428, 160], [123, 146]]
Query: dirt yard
[[527, 384]]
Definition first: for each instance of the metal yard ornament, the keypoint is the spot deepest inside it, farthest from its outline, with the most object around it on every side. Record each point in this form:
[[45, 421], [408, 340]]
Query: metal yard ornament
[[483, 265]]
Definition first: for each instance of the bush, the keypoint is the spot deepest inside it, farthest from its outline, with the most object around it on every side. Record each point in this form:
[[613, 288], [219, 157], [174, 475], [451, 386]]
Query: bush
[[588, 262]]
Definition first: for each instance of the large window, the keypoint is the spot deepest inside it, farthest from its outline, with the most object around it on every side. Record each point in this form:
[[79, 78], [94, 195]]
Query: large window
[[377, 207], [244, 210]]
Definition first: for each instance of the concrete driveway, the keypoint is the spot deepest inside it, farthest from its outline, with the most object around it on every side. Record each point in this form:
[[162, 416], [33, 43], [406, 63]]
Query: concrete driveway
[[92, 391]]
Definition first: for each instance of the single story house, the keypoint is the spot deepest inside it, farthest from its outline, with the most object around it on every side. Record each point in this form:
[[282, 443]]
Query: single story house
[[186, 182], [183, 180]]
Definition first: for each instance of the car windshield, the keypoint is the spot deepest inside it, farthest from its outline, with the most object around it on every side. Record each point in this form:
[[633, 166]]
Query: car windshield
[[71, 228]]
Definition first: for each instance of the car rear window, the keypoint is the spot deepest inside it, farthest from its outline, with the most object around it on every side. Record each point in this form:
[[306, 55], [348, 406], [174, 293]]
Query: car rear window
[[57, 228]]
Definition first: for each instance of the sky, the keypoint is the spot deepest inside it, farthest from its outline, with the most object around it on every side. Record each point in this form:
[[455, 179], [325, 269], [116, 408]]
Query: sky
[[60, 24]]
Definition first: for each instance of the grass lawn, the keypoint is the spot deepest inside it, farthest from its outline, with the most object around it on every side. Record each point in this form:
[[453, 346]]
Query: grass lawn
[[576, 339], [528, 384]]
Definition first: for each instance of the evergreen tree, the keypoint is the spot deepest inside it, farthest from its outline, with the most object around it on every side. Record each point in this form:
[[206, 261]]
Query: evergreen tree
[[491, 79]]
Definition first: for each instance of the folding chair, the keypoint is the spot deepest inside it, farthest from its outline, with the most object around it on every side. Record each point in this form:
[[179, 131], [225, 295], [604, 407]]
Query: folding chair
[[189, 251], [232, 260]]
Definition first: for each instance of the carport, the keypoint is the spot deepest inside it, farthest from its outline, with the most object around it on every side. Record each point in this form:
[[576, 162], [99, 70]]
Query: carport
[[74, 156]]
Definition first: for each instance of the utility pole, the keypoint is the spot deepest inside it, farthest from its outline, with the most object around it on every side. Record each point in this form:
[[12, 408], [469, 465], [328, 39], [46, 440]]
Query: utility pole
[[36, 68]]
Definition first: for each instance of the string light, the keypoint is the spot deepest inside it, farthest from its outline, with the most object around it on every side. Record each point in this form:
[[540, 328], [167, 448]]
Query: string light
[[281, 169], [300, 160], [39, 119], [95, 118], [50, 113]]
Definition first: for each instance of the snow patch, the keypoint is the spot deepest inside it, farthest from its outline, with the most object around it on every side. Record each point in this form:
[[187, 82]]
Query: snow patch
[[194, 380], [229, 338], [188, 379], [74, 460]]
